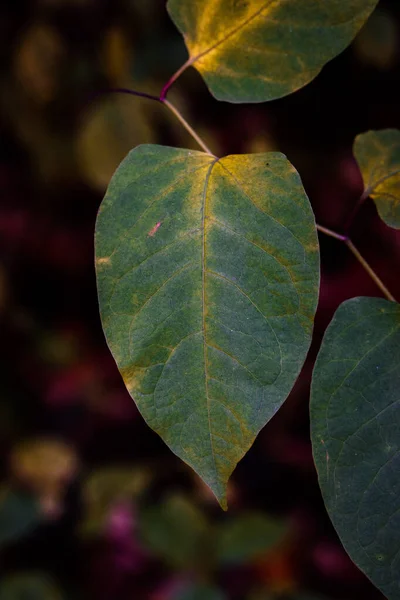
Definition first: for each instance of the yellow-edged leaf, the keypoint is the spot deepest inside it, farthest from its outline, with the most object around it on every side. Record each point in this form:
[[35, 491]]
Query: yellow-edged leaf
[[378, 156], [208, 275], [258, 50]]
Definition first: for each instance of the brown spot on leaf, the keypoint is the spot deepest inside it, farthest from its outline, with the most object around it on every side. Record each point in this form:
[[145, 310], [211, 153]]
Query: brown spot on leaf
[[105, 260]]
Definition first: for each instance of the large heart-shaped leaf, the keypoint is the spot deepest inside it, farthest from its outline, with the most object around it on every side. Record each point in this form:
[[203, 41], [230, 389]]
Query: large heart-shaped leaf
[[258, 50], [378, 155], [208, 274], [355, 421]]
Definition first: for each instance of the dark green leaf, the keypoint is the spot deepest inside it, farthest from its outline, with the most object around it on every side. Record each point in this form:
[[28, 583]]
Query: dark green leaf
[[378, 156], [208, 275], [258, 50], [248, 536], [355, 422]]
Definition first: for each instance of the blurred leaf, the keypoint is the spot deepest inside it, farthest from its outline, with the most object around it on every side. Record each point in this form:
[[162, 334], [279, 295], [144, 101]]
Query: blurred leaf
[[257, 50], [109, 130], [19, 514], [44, 463], [260, 143], [57, 348], [46, 467], [355, 416], [28, 586], [200, 592], [207, 274], [105, 488], [37, 62], [276, 569], [177, 532], [378, 41], [247, 537], [117, 56], [378, 156]]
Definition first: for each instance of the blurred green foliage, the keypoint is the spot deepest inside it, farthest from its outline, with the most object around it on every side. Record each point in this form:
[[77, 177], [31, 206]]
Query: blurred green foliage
[[19, 513], [178, 532], [29, 586], [248, 536], [200, 592]]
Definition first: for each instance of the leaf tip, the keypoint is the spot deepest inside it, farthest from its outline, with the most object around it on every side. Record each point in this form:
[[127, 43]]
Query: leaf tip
[[220, 493], [223, 503]]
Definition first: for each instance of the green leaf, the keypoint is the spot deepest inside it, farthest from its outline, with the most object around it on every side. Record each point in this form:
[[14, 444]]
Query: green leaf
[[355, 424], [19, 514], [247, 537], [177, 532], [258, 50], [378, 156], [208, 273]]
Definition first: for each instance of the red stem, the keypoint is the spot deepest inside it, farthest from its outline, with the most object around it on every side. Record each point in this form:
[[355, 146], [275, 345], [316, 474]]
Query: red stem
[[174, 77]]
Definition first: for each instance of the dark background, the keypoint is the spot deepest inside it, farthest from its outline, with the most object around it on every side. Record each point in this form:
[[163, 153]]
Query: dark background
[[93, 505]]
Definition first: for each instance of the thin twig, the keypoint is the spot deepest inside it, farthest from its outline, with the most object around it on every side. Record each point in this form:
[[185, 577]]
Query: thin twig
[[170, 106], [370, 271], [182, 120], [360, 258], [131, 92], [186, 125], [337, 236]]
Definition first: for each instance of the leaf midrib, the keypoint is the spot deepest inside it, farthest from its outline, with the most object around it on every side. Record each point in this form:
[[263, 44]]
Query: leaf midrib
[[203, 275]]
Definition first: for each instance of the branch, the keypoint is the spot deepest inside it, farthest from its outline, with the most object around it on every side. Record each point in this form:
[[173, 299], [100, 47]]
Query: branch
[[346, 240], [174, 77], [131, 92], [186, 125], [170, 107]]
